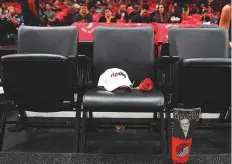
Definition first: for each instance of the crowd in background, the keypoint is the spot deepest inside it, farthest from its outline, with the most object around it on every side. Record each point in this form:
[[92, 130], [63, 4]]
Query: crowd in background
[[58, 12], [14, 13]]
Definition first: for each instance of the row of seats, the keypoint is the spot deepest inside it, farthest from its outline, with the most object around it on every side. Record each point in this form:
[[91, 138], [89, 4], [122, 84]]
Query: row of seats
[[42, 76]]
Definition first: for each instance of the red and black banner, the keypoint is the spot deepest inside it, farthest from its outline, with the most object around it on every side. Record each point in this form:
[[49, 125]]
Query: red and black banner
[[183, 127]]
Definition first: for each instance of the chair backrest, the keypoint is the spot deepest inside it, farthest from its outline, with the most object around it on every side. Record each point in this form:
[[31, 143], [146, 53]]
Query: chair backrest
[[37, 82], [204, 82], [44, 40], [127, 48], [199, 43]]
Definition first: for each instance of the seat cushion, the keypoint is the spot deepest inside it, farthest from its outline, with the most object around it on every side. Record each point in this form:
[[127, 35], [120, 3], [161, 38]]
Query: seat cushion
[[98, 99]]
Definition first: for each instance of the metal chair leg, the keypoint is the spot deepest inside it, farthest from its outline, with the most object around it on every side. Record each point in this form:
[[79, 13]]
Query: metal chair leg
[[90, 115], [2, 127], [19, 126], [162, 133], [83, 131], [76, 138], [169, 131]]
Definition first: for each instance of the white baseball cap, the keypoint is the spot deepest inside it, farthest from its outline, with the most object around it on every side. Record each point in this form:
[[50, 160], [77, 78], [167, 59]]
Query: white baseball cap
[[114, 78]]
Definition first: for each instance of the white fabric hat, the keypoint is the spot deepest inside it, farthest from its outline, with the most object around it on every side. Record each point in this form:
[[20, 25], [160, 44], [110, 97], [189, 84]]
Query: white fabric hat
[[114, 78]]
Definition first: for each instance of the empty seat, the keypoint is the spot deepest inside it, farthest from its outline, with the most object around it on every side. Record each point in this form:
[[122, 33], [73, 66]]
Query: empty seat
[[199, 42], [38, 83], [194, 43], [203, 82], [44, 40]]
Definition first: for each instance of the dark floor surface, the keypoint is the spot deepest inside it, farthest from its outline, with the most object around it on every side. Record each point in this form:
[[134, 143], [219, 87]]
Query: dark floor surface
[[110, 141]]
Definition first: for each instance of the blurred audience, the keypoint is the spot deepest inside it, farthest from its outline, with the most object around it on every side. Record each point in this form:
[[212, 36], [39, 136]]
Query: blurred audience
[[194, 9], [3, 9], [215, 18], [122, 13], [205, 17], [51, 15], [66, 12], [161, 16], [84, 16], [12, 17], [142, 17], [186, 10], [107, 17]]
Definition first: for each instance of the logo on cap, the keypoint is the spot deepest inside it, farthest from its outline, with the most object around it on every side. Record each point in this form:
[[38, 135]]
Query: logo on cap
[[118, 74]]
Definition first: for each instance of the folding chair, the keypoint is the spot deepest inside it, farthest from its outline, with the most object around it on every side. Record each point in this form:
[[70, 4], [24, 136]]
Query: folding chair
[[198, 42], [130, 49], [53, 40], [187, 43], [201, 82], [191, 43], [38, 83]]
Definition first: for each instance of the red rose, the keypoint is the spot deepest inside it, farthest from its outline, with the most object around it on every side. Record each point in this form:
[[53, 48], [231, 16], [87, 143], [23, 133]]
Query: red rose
[[146, 85]]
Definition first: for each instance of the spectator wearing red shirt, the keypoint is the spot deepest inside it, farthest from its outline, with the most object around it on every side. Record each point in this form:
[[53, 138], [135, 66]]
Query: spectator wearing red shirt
[[112, 9]]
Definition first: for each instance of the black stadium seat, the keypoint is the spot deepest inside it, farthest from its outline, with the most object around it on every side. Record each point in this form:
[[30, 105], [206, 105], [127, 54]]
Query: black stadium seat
[[53, 40], [34, 43], [199, 42], [39, 83], [201, 82], [188, 43], [201, 53], [115, 48]]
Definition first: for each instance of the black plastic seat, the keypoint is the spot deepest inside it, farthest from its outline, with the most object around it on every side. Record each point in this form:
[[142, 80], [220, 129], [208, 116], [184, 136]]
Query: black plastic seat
[[190, 43], [123, 101], [203, 82], [38, 83], [115, 48], [61, 40], [200, 49], [53, 40]]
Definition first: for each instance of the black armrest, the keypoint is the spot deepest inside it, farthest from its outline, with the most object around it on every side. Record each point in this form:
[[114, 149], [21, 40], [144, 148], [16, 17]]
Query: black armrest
[[165, 61], [79, 57], [170, 59], [84, 57], [73, 58], [85, 69]]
